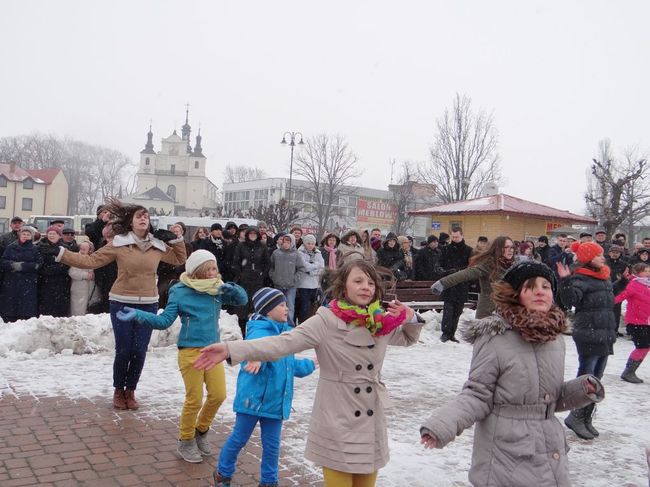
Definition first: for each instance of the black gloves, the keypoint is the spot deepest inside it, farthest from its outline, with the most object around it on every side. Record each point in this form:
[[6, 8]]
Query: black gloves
[[164, 235]]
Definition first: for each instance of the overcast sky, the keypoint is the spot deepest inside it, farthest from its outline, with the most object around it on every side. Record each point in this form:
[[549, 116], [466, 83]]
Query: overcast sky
[[558, 76]]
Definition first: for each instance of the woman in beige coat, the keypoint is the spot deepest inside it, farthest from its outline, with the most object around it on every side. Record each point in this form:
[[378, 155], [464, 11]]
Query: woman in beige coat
[[515, 386], [347, 431]]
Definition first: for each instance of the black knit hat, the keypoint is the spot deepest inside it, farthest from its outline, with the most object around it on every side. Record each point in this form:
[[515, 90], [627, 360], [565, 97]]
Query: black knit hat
[[216, 226], [518, 274], [443, 237]]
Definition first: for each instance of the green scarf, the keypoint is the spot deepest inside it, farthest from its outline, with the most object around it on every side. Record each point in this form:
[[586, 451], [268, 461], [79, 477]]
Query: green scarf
[[208, 286]]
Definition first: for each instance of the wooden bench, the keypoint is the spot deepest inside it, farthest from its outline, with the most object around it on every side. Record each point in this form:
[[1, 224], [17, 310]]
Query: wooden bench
[[418, 295]]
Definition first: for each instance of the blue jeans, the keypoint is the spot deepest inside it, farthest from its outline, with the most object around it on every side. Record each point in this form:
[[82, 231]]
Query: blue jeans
[[131, 342], [291, 302], [592, 364], [244, 426]]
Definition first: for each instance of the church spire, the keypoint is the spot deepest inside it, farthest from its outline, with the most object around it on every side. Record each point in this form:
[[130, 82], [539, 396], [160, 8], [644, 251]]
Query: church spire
[[148, 147], [198, 150], [186, 129]]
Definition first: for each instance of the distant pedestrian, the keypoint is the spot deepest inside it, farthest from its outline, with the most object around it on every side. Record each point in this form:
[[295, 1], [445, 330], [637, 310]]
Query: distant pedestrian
[[53, 278], [83, 289]]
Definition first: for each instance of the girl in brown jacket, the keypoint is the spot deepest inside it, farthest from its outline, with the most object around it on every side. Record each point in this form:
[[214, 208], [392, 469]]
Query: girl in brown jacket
[[347, 431], [137, 253], [515, 386]]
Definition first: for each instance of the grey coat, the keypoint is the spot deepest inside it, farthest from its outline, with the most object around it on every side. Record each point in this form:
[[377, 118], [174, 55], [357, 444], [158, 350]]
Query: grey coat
[[347, 430], [514, 389], [285, 266]]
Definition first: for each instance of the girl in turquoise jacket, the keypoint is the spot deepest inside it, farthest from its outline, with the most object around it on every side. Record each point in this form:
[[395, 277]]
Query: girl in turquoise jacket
[[197, 299]]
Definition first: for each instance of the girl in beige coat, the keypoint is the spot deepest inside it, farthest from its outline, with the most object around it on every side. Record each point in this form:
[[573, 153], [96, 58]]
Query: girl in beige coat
[[347, 431], [516, 384]]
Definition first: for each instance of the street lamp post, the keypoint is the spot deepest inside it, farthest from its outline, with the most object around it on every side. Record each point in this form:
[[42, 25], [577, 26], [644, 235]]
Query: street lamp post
[[294, 138]]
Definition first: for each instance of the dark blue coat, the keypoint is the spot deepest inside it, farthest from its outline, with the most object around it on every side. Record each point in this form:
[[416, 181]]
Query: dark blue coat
[[53, 282], [269, 393], [19, 294]]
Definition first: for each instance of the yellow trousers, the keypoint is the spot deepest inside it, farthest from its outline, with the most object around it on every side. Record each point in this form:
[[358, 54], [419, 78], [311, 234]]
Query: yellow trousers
[[197, 414], [334, 478]]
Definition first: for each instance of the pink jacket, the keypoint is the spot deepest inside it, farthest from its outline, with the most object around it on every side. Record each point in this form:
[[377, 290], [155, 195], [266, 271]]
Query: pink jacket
[[638, 303]]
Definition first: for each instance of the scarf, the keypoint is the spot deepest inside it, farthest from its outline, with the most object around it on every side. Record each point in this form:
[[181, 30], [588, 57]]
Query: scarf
[[331, 263], [505, 263], [143, 244], [218, 242], [207, 286], [534, 326], [408, 259], [373, 317], [643, 280], [602, 273]]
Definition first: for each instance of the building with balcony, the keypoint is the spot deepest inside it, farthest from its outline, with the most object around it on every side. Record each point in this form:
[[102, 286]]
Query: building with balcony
[[178, 173]]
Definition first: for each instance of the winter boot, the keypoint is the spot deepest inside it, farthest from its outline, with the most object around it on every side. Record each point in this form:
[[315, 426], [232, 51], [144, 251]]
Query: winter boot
[[188, 451], [576, 421], [220, 481], [589, 414], [118, 399], [629, 372], [131, 403], [202, 442]]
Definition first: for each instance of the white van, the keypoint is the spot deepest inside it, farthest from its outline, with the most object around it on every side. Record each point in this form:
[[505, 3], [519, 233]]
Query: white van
[[193, 223]]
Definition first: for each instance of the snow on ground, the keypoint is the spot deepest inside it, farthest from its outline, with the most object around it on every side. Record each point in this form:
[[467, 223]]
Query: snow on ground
[[73, 357]]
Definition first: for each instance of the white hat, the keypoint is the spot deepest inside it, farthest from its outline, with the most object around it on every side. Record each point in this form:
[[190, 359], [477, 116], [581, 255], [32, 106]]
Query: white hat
[[197, 258]]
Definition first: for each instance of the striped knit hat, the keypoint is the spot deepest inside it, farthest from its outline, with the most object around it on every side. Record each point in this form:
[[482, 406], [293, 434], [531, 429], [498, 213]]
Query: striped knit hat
[[266, 299]]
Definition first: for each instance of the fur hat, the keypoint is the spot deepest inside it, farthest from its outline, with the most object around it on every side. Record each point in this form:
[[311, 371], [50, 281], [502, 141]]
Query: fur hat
[[266, 299], [53, 228], [586, 252], [197, 258], [615, 248], [309, 239], [518, 274], [27, 228], [444, 238]]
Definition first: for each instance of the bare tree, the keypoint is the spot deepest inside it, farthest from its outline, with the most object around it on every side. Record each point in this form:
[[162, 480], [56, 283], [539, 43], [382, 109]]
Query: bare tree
[[240, 174], [464, 154], [92, 172], [617, 191], [329, 166], [403, 196], [277, 216]]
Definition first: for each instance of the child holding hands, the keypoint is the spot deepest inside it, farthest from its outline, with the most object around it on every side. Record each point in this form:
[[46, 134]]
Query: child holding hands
[[197, 299]]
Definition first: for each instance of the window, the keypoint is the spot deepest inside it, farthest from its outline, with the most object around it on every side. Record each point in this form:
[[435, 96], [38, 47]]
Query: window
[[352, 201], [196, 164], [28, 183], [146, 161], [3, 202], [3, 182], [27, 204], [173, 169], [4, 224], [171, 191]]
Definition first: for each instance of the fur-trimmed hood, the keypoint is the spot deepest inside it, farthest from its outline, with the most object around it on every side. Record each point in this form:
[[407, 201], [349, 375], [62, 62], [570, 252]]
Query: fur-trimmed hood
[[472, 330]]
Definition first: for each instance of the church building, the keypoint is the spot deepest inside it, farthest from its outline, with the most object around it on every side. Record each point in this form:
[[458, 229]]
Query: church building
[[172, 181]]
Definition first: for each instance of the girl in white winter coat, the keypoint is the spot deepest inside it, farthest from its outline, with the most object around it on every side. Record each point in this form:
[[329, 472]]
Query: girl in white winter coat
[[82, 287], [308, 278]]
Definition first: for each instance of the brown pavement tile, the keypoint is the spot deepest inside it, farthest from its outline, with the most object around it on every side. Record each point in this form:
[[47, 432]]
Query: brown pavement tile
[[61, 441]]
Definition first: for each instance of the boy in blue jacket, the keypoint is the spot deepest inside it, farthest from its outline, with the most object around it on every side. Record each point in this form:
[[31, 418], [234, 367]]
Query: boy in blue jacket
[[197, 299], [264, 392]]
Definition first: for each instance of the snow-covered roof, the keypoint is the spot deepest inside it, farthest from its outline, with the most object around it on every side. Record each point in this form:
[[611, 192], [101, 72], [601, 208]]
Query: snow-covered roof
[[154, 193], [18, 174], [502, 203]]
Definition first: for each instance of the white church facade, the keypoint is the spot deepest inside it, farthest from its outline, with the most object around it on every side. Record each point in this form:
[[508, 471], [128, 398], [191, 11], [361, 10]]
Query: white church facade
[[172, 181]]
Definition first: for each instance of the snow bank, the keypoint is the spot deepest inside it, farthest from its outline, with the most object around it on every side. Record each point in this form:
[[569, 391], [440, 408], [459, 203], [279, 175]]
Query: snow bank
[[78, 335]]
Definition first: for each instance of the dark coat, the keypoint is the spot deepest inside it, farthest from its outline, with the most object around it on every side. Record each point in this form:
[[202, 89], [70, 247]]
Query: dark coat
[[453, 258], [53, 282], [557, 254], [228, 270], [389, 257], [19, 292], [594, 324], [217, 247], [544, 253], [7, 239], [94, 232], [426, 264], [250, 265], [617, 267]]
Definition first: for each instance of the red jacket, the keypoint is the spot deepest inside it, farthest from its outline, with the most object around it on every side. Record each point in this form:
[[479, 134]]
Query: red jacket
[[638, 303]]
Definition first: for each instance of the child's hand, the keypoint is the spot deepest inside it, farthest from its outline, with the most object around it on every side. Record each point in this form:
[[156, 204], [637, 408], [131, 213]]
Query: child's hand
[[253, 367], [429, 441], [211, 355], [563, 270], [395, 308], [226, 288], [126, 314]]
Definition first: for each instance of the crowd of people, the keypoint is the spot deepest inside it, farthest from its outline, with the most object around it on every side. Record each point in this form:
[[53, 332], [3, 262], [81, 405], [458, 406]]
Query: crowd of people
[[292, 291]]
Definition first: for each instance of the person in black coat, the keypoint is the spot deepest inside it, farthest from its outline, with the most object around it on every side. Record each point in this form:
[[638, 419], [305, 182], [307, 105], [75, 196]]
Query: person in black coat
[[543, 250], [251, 269], [590, 290], [389, 255], [426, 261], [20, 263], [453, 258], [94, 230], [619, 268], [216, 245], [104, 277], [53, 280]]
